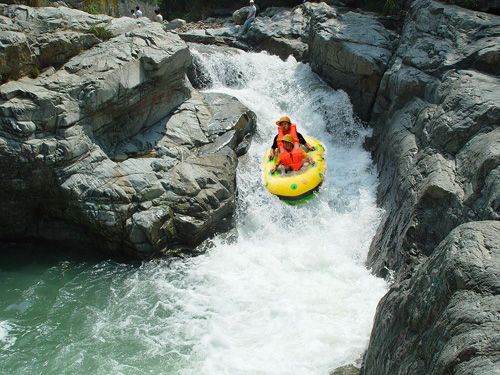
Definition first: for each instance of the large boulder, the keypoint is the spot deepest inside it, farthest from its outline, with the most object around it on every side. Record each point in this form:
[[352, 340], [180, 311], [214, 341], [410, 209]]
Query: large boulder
[[240, 15], [15, 55], [35, 38], [177, 23], [280, 31], [436, 116], [446, 319], [115, 149], [350, 51]]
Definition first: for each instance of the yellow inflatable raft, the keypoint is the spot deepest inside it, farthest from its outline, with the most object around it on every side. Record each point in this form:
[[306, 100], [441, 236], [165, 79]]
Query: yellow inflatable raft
[[300, 186]]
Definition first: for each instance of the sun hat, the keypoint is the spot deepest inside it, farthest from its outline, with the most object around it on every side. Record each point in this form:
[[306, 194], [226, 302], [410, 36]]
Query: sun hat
[[286, 138], [283, 119]]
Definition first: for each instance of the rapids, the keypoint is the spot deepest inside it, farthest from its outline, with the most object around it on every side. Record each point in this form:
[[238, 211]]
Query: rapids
[[287, 293]]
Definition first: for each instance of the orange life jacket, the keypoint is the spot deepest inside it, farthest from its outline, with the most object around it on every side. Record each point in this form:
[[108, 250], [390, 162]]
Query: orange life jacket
[[293, 158]]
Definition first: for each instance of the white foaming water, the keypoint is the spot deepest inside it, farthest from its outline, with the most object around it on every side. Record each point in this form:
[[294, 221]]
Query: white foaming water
[[290, 295], [6, 341]]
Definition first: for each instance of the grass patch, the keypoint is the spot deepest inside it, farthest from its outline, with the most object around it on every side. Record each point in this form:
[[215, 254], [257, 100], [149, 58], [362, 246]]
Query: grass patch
[[92, 8], [38, 3], [100, 32]]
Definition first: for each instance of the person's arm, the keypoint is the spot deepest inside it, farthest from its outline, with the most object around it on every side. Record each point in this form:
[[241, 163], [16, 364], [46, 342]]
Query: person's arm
[[275, 142], [307, 157], [278, 162], [302, 141], [273, 147]]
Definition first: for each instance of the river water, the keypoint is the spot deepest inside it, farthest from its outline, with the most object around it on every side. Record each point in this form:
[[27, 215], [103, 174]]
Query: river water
[[289, 295]]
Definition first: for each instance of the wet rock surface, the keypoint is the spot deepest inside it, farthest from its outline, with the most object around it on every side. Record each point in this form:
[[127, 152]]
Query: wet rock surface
[[113, 147], [348, 50], [436, 144], [436, 128], [446, 318], [351, 51]]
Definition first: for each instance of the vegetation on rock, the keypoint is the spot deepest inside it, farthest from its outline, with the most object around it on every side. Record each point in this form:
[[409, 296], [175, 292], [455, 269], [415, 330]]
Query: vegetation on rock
[[100, 32], [35, 72]]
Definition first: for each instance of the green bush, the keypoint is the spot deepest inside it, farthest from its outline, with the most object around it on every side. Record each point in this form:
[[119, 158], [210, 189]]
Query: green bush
[[92, 8], [35, 72], [391, 6]]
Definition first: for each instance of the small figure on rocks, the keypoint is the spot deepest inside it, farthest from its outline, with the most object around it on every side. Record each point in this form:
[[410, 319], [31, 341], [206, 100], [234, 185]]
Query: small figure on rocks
[[286, 127], [158, 17], [138, 13], [251, 16], [292, 158], [133, 15]]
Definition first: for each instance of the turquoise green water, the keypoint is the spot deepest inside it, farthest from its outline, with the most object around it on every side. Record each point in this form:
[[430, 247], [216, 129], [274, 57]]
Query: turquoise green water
[[65, 314]]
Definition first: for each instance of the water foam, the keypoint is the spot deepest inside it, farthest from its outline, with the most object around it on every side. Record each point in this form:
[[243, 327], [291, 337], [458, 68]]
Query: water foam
[[289, 295], [5, 338]]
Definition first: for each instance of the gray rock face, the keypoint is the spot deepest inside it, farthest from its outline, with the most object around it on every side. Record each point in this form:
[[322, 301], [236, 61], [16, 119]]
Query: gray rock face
[[240, 15], [437, 140], [446, 319], [437, 134], [43, 37], [115, 148], [15, 55], [351, 51], [220, 37], [282, 32]]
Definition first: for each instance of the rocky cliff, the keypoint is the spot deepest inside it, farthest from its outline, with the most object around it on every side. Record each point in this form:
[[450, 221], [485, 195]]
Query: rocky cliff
[[437, 147], [432, 95], [436, 123], [110, 146]]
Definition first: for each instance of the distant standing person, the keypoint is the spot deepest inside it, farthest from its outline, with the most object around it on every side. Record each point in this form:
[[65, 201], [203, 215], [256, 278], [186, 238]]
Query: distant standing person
[[138, 13], [251, 16], [133, 15], [158, 17]]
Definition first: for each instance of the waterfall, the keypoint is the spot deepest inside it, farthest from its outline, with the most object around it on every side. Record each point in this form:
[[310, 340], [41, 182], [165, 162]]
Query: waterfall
[[287, 294]]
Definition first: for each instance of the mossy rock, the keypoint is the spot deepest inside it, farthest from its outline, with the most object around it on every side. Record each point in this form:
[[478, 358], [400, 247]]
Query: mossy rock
[[346, 370]]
